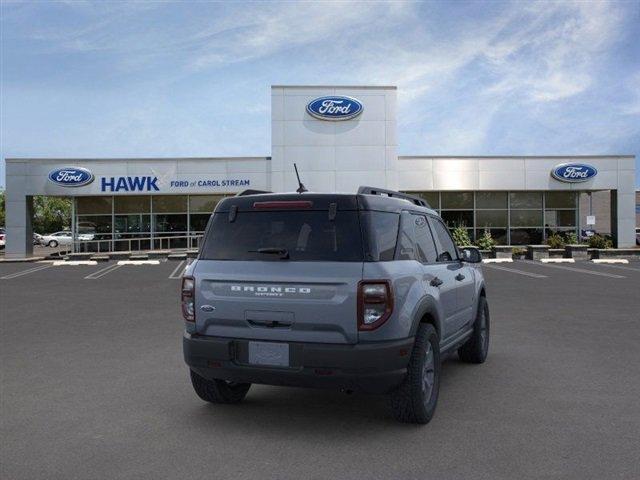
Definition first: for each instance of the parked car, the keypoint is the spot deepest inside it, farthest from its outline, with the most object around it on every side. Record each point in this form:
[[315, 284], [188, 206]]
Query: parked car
[[37, 239], [359, 292], [2, 238], [57, 238], [63, 238], [637, 236]]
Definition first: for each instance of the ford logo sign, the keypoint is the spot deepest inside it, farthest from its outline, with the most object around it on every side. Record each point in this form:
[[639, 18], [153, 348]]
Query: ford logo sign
[[574, 172], [334, 108], [71, 176]]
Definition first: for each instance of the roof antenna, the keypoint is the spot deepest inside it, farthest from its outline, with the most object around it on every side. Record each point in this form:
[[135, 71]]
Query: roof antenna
[[301, 188]]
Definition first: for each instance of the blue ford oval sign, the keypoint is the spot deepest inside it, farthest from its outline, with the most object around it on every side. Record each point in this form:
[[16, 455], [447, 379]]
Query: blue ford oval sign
[[334, 108], [574, 172], [71, 176]]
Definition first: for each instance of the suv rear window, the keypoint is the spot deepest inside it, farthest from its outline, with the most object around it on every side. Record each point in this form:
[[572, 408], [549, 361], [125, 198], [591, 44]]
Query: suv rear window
[[304, 235]]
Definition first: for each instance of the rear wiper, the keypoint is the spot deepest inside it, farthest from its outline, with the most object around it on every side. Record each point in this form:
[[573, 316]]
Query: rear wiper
[[283, 252]]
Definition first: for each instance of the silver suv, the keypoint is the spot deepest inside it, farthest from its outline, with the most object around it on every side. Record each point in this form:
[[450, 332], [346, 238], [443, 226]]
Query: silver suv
[[361, 292]]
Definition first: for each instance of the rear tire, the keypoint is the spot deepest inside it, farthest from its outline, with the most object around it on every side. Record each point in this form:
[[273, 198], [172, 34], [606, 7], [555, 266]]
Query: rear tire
[[476, 349], [218, 391], [53, 244], [415, 400]]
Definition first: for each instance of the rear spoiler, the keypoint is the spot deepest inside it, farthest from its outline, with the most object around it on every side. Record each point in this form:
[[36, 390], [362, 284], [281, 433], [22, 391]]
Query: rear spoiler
[[251, 192], [392, 193]]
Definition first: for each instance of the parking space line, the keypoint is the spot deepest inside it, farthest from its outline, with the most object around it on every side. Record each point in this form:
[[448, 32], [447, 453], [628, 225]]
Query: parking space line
[[26, 272], [618, 267], [177, 273], [513, 270], [102, 272], [574, 269]]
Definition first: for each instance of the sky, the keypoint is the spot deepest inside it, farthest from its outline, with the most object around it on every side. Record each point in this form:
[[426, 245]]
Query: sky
[[162, 79]]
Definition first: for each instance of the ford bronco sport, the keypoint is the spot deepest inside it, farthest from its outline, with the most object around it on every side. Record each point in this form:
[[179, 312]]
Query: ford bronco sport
[[361, 292]]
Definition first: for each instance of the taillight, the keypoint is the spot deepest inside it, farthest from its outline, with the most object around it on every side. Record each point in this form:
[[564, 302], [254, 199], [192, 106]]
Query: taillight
[[188, 299], [375, 303]]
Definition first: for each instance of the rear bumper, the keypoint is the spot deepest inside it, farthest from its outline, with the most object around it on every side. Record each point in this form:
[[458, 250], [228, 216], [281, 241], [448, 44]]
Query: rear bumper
[[367, 367]]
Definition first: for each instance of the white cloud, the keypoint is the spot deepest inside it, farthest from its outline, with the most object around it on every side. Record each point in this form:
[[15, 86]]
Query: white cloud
[[457, 70]]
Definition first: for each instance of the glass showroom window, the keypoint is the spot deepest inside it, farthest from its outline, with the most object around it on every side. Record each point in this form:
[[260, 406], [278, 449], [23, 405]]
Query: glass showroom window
[[132, 222], [94, 221], [93, 216], [170, 218], [200, 209], [525, 218], [560, 212], [492, 215], [456, 209], [432, 198]]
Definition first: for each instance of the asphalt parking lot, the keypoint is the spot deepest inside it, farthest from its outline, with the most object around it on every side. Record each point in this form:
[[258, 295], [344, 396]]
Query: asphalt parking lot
[[94, 386]]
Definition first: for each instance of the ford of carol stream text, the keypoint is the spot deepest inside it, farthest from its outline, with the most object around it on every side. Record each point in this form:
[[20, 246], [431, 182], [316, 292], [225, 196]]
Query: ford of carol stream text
[[357, 292]]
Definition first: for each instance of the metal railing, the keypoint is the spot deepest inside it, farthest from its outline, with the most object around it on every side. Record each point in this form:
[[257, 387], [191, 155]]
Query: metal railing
[[138, 244]]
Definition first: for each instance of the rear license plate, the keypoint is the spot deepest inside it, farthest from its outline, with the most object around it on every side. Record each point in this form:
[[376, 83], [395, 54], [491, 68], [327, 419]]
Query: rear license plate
[[267, 353]]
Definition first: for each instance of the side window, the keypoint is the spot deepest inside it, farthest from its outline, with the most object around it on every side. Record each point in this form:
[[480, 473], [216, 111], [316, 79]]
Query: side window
[[381, 233], [406, 250], [446, 248], [426, 249]]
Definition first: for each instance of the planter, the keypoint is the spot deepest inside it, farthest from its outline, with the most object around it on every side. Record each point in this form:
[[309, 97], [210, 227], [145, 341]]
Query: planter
[[119, 255], [536, 252], [502, 251], [621, 253], [158, 253], [487, 253], [577, 252], [556, 253], [80, 256]]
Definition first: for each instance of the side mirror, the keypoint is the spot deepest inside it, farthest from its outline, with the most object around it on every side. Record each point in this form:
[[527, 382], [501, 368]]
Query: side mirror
[[470, 255]]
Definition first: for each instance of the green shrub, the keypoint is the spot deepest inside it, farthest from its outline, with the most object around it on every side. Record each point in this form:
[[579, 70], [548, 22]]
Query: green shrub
[[461, 236], [486, 241], [570, 238], [555, 240], [518, 251], [600, 241]]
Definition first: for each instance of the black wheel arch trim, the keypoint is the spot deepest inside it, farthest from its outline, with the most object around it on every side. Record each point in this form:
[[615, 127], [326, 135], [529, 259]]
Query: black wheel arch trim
[[427, 306]]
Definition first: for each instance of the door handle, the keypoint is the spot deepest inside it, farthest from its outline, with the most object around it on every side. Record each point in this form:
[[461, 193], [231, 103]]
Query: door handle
[[460, 277], [436, 282]]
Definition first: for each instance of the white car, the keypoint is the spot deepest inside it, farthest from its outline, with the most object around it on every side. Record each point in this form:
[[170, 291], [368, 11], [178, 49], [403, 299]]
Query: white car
[[63, 238], [58, 238]]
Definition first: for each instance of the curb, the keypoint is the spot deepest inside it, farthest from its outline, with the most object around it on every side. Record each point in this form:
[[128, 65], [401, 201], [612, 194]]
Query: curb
[[59, 263]]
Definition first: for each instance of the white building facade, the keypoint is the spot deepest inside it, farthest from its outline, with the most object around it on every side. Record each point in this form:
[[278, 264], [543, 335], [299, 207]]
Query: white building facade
[[340, 138]]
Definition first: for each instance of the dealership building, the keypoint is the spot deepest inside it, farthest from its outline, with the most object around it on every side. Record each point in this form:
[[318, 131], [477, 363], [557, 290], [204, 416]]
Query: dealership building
[[340, 138]]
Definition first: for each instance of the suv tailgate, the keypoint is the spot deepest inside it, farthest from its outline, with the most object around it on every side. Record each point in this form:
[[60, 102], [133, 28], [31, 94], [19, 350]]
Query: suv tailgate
[[282, 301]]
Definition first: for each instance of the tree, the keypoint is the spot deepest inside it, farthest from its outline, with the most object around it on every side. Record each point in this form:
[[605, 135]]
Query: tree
[[2, 214], [486, 241], [51, 214], [461, 236]]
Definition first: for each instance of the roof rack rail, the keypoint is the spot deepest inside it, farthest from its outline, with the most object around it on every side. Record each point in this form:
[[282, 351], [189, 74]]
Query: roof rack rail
[[251, 192], [392, 193]]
